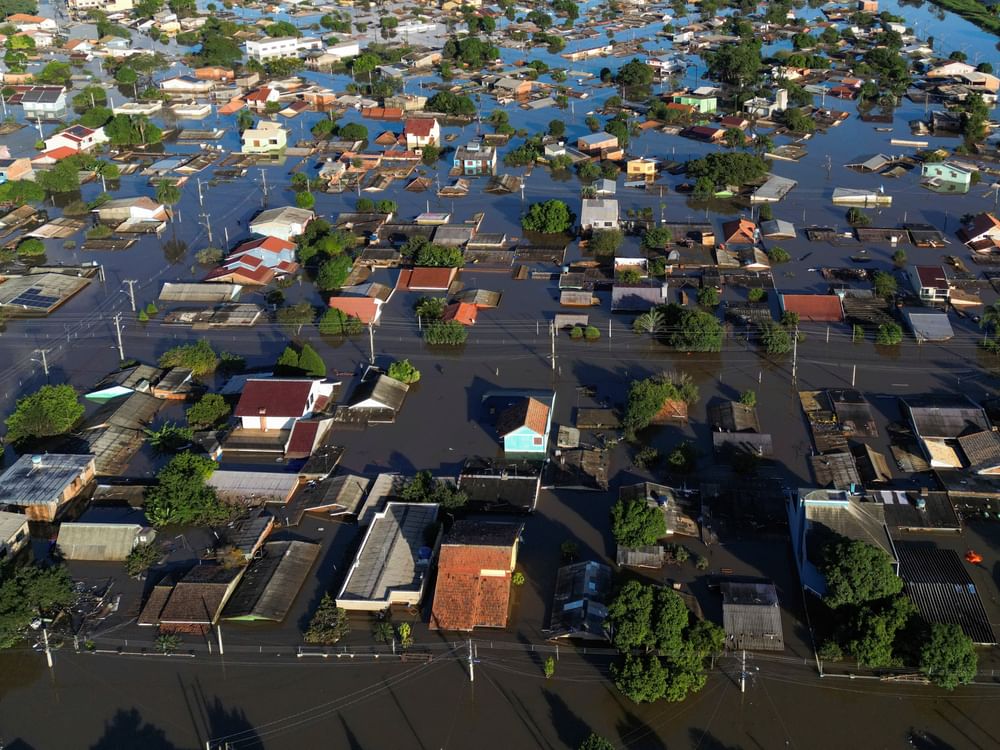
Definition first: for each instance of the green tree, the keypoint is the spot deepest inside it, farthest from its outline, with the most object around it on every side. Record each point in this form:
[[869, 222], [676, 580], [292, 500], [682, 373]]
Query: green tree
[[305, 200], [430, 308], [198, 357], [288, 362], [657, 238], [26, 592], [55, 73], [641, 679], [888, 334], [697, 331], [884, 283], [647, 397], [282, 28], [778, 254], [708, 296], [297, 315], [96, 117], [606, 241], [634, 73], [451, 104], [169, 437], [209, 411], [64, 177], [30, 248], [634, 523], [51, 410], [142, 558], [738, 64], [311, 363], [338, 323], [775, 339], [450, 333], [424, 488], [874, 628], [948, 657], [168, 193], [548, 217], [181, 495], [404, 372], [333, 273], [748, 398], [856, 573], [727, 168], [328, 624], [595, 741]]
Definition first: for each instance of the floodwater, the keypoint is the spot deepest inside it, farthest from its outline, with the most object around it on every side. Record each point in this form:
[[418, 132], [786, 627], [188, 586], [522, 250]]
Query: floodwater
[[278, 702]]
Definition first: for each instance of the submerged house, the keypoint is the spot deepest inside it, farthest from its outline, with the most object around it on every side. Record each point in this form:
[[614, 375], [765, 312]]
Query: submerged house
[[40, 486], [474, 575], [277, 403], [524, 427]]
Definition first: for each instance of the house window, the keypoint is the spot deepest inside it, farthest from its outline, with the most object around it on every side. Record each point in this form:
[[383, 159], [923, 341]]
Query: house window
[[537, 441]]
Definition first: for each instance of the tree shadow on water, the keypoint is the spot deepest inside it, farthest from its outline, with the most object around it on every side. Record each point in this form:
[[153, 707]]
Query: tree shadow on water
[[230, 724], [704, 740], [128, 729], [571, 728]]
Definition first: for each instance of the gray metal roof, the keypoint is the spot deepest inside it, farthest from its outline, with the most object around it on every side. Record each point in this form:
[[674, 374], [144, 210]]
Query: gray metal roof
[[937, 582], [390, 556], [271, 583], [10, 524], [380, 392], [928, 325], [42, 479], [945, 416], [751, 616], [579, 605], [257, 485], [100, 541]]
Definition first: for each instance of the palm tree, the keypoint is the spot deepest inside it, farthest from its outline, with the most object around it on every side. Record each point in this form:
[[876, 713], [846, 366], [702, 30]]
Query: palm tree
[[651, 322], [991, 318]]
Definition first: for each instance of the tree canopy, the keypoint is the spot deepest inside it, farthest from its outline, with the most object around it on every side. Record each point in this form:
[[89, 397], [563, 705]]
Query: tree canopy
[[27, 591], [656, 620], [948, 657], [181, 496], [857, 572], [198, 357], [727, 168], [210, 410], [548, 217], [51, 410], [647, 397], [635, 523], [738, 64], [697, 331], [424, 488], [634, 73]]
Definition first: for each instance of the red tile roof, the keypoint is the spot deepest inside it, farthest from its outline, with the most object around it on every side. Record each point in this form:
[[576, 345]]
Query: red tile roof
[[302, 439], [271, 244], [277, 397], [932, 277], [464, 312], [821, 308], [464, 599], [57, 153], [420, 127], [437, 279], [739, 232], [364, 309], [258, 95], [382, 113]]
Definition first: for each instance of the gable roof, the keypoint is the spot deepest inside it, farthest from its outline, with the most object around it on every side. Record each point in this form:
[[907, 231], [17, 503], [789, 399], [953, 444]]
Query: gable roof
[[438, 279], [740, 232], [465, 598], [275, 397], [464, 312], [528, 412], [814, 307], [420, 127], [365, 309]]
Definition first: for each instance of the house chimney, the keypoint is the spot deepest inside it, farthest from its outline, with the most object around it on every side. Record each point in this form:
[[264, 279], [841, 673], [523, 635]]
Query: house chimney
[[262, 413]]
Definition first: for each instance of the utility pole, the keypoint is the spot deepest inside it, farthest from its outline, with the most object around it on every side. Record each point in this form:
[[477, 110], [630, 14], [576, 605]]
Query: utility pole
[[743, 671], [263, 176], [225, 231], [45, 362], [472, 664], [218, 632], [201, 198], [131, 291], [45, 638], [371, 341], [795, 354], [118, 331], [552, 335]]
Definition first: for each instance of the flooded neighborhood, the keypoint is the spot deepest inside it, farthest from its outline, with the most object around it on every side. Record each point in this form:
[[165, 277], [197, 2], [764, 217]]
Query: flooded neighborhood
[[613, 374]]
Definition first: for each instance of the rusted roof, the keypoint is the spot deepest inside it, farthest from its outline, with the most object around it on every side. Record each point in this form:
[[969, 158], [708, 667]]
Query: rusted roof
[[420, 127], [528, 412]]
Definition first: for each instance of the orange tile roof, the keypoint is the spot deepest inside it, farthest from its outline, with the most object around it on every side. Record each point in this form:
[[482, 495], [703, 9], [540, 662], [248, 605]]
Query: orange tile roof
[[823, 308], [438, 279], [364, 309], [528, 412], [464, 599], [464, 312]]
